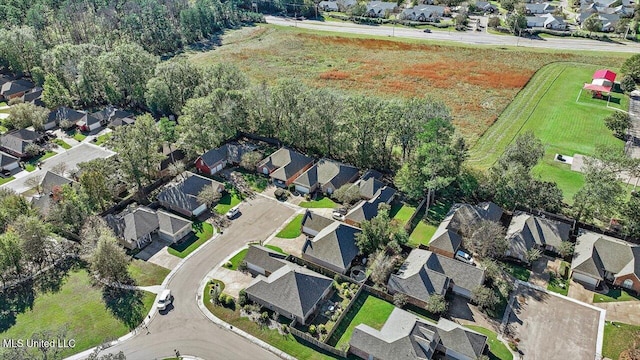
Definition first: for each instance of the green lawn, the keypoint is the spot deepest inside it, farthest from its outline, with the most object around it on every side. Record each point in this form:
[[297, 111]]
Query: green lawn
[[618, 338], [6, 180], [82, 308], [236, 260], [614, 295], [78, 136], [293, 229], [32, 164], [103, 138], [401, 212], [558, 284], [228, 201], [422, 234], [202, 233], [146, 273], [547, 106], [320, 202], [287, 343], [255, 181], [517, 271], [368, 310], [3, 129], [497, 347], [62, 144]]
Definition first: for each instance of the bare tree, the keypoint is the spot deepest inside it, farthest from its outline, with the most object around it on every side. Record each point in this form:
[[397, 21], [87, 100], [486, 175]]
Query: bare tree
[[209, 195], [34, 182], [60, 168]]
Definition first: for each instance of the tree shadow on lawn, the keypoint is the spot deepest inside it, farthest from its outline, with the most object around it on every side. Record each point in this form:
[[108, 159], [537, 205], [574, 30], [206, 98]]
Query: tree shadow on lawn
[[53, 280], [14, 301], [125, 305]]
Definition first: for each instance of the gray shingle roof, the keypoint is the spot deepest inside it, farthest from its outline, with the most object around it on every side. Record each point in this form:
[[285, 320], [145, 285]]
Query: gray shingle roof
[[314, 221], [265, 258], [133, 224], [50, 180], [335, 245], [367, 210], [595, 253], [171, 224], [292, 288], [18, 140], [231, 152], [407, 336], [63, 113], [445, 239], [325, 172], [285, 162], [460, 220], [425, 273], [369, 187], [6, 159], [527, 231], [184, 195], [15, 86]]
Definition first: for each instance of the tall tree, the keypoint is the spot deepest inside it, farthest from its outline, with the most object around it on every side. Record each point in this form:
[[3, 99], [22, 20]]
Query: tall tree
[[109, 262], [54, 94], [25, 115], [33, 235], [69, 209], [600, 194], [10, 253], [173, 83], [631, 66], [415, 115]]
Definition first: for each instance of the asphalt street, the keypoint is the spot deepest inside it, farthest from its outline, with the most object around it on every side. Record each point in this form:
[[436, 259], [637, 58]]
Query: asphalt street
[[81, 153], [467, 37], [184, 327]]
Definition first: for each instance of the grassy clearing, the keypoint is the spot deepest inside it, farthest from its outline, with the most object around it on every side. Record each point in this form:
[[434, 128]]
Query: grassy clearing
[[558, 285], [401, 212], [81, 307], [293, 229], [519, 272], [618, 338], [477, 91], [319, 202], [287, 343], [78, 136], [548, 107], [615, 295], [103, 138], [228, 201], [6, 180], [368, 310], [237, 259], [146, 274], [62, 144], [422, 234], [497, 347], [202, 233]]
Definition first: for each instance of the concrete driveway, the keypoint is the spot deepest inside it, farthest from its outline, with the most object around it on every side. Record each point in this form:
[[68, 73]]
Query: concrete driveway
[[157, 253], [72, 157], [550, 326], [185, 327]]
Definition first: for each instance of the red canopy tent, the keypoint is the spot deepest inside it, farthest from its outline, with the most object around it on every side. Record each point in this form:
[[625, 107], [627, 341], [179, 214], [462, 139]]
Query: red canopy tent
[[605, 74]]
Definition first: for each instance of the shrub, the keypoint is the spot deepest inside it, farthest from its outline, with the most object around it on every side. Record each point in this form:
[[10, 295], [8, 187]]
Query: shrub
[[284, 328], [228, 265], [485, 298], [222, 299], [399, 300], [229, 301], [322, 329], [493, 22], [347, 294], [312, 329], [242, 298], [264, 317], [436, 304]]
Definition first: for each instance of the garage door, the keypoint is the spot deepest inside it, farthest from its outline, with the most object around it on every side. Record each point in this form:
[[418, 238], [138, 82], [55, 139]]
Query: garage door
[[302, 189], [585, 279], [216, 169], [460, 291]]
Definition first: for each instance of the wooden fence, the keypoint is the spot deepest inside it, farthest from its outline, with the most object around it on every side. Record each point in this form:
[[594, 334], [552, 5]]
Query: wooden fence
[[310, 339], [410, 223], [344, 313]]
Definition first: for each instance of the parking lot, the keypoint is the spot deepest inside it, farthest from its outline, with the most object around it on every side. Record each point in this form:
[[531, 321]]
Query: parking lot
[[551, 327]]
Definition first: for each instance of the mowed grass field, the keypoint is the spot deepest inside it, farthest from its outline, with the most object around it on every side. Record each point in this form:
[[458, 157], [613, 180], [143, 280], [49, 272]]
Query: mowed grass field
[[548, 107], [477, 83]]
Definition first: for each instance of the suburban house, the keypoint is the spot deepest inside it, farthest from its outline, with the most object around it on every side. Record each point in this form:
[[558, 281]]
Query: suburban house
[[407, 336], [547, 21], [216, 159], [369, 184], [459, 222], [528, 232], [88, 122], [624, 8], [380, 9], [183, 196], [539, 8], [334, 247], [609, 21], [50, 184], [8, 162], [599, 258], [15, 89], [312, 223], [486, 7], [261, 260], [284, 166], [292, 291], [34, 96], [105, 117], [63, 113], [135, 228], [425, 273], [16, 142], [325, 176], [339, 5], [368, 209], [423, 13]]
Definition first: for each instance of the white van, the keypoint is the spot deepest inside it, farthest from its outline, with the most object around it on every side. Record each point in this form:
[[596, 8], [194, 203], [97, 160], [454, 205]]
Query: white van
[[233, 212], [164, 300], [464, 257]]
